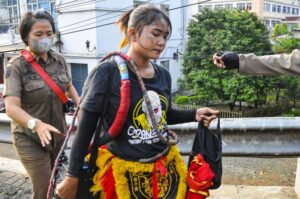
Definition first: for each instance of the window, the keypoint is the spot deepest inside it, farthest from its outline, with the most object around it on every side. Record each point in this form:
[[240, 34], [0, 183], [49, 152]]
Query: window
[[241, 6], [32, 5], [208, 7], [273, 8], [44, 4], [274, 22], [53, 9], [284, 10], [288, 10], [267, 22], [218, 6], [47, 5], [9, 15], [267, 7], [165, 8], [165, 64], [79, 73], [249, 6], [278, 9], [200, 8], [228, 6]]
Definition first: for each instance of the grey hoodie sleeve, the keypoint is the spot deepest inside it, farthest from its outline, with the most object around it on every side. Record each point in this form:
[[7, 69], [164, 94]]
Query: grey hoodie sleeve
[[280, 64]]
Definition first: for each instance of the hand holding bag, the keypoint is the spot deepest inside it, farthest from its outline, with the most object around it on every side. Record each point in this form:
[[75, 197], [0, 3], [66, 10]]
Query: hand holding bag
[[206, 151]]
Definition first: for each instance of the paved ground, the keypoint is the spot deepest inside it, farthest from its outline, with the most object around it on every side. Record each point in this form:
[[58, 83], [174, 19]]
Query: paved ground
[[14, 184]]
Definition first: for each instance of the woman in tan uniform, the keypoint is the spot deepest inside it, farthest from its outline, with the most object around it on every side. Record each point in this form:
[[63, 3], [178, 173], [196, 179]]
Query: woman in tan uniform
[[38, 118], [280, 64]]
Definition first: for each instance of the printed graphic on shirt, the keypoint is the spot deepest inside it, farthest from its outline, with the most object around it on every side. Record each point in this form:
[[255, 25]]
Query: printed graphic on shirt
[[142, 129], [29, 73], [140, 184]]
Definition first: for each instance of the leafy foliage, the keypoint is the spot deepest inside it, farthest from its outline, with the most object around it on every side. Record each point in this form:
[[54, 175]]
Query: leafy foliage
[[181, 99], [232, 30], [280, 29], [289, 86]]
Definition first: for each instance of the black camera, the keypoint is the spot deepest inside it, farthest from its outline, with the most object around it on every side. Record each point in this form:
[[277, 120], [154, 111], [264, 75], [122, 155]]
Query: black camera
[[69, 107]]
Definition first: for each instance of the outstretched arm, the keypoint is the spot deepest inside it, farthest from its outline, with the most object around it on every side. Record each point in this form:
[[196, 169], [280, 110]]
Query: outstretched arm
[[281, 64], [206, 115]]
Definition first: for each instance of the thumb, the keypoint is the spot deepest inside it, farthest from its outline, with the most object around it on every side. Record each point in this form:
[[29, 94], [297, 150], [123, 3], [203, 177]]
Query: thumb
[[213, 112]]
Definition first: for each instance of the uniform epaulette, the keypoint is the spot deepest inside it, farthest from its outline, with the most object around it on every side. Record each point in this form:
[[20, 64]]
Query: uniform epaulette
[[12, 60]]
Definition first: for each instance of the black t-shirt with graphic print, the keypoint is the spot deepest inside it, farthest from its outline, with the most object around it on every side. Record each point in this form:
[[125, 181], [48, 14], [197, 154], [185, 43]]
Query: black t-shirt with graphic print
[[137, 139]]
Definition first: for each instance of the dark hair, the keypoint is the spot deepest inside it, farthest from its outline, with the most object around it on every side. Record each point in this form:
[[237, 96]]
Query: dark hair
[[29, 19], [140, 17]]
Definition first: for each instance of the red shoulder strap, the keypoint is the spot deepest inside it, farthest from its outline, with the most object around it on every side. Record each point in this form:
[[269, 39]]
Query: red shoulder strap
[[45, 76]]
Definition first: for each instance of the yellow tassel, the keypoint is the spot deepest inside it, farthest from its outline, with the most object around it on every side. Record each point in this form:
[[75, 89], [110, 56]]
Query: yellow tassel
[[103, 164], [120, 167], [182, 172], [123, 43]]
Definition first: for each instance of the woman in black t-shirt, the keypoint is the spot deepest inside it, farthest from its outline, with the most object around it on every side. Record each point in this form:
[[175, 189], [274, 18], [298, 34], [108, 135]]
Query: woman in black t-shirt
[[137, 163]]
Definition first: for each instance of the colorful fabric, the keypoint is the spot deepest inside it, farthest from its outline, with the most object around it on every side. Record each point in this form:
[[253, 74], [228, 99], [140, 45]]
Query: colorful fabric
[[199, 178], [135, 179]]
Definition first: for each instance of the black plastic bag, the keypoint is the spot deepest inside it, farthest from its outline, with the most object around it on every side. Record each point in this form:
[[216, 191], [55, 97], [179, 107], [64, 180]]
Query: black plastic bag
[[209, 145]]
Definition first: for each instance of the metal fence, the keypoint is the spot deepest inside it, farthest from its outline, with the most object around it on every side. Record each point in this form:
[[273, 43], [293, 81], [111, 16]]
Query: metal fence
[[264, 111]]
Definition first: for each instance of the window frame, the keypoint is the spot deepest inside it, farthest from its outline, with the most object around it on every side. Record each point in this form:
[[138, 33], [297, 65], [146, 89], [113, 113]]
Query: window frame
[[11, 19]]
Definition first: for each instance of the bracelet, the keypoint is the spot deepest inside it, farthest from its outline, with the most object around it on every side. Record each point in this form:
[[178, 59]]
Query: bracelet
[[71, 175]]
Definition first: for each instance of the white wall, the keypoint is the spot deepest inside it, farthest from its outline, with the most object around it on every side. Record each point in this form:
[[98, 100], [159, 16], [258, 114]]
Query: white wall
[[69, 21], [108, 37], [177, 40]]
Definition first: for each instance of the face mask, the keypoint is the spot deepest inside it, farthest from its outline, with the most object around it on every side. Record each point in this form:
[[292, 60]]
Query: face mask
[[41, 46]]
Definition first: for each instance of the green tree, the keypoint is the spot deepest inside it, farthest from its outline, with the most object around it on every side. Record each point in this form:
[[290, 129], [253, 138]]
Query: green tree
[[287, 86], [280, 29], [212, 31]]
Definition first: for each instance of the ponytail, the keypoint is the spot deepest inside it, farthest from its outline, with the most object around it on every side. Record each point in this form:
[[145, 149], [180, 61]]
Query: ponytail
[[123, 23], [140, 17]]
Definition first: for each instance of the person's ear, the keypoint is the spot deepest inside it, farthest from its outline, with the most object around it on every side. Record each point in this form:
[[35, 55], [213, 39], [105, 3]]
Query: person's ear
[[132, 34]]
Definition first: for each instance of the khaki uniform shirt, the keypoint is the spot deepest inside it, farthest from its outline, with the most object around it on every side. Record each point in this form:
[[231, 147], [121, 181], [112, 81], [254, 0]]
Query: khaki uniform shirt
[[37, 98], [281, 64]]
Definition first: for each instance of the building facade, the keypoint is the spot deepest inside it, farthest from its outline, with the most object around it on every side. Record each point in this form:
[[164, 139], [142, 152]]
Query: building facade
[[271, 11], [87, 31]]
